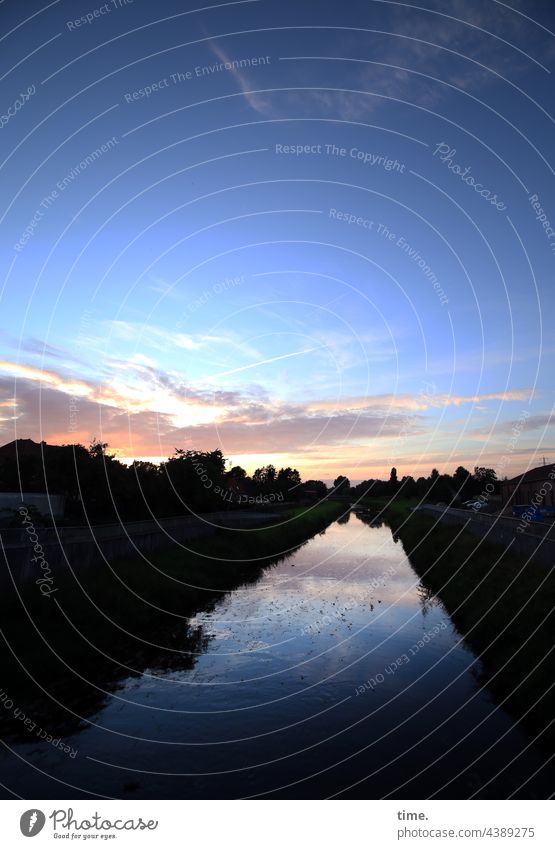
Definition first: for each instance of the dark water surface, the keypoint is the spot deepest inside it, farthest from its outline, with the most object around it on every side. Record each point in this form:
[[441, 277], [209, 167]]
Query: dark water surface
[[277, 702]]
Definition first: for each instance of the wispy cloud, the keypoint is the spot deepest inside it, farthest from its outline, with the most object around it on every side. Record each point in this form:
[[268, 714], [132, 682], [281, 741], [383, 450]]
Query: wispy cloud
[[418, 55], [260, 102], [420, 402], [260, 363], [162, 339]]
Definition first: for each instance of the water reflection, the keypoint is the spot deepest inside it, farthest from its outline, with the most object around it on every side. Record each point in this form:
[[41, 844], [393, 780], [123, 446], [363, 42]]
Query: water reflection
[[427, 598], [335, 672], [62, 691]]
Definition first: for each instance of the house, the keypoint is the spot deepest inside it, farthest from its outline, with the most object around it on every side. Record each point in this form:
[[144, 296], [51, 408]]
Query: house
[[534, 486], [28, 448], [22, 477]]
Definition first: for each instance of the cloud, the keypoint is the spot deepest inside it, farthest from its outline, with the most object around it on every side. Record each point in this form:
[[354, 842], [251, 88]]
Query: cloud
[[144, 411], [32, 345], [323, 438], [153, 337], [467, 46], [261, 103], [46, 377], [162, 339], [260, 363], [422, 401], [254, 428], [136, 384], [166, 290], [537, 422], [46, 415]]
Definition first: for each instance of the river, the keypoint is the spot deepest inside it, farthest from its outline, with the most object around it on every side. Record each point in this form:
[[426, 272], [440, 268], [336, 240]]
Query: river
[[336, 674]]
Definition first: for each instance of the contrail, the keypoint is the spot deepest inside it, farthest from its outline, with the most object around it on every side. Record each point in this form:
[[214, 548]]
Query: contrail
[[262, 363]]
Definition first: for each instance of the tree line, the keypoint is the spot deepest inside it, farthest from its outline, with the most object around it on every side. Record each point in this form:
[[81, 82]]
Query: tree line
[[100, 488], [462, 485]]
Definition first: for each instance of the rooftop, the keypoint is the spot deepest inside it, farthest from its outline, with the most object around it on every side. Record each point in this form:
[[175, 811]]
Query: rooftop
[[540, 473]]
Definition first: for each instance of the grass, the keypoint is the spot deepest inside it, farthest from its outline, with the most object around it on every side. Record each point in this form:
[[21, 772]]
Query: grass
[[501, 604], [399, 507]]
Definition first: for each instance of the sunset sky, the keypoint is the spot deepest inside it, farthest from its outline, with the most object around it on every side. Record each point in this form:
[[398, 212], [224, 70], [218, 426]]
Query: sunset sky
[[278, 249]]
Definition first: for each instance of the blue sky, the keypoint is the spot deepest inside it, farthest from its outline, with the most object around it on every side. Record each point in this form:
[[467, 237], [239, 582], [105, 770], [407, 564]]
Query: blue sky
[[329, 249]]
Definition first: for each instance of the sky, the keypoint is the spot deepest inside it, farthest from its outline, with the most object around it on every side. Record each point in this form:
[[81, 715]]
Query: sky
[[314, 234]]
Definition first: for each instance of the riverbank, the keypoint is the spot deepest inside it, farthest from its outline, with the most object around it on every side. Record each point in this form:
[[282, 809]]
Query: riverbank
[[124, 616], [31, 550], [501, 602], [288, 688]]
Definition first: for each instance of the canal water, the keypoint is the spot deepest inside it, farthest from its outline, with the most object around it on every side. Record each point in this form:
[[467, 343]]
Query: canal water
[[335, 675]]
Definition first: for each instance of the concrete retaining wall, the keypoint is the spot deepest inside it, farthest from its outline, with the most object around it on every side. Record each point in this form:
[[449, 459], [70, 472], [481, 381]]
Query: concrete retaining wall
[[537, 543], [83, 547], [48, 505]]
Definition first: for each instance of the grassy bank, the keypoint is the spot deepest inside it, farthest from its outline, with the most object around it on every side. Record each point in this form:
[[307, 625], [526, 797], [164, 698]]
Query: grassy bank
[[501, 604], [102, 629]]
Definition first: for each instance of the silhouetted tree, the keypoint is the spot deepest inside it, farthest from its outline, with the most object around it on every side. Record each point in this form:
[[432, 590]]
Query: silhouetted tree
[[486, 479], [97, 450], [393, 482], [316, 488], [408, 487], [236, 473], [462, 481], [194, 478], [287, 481], [365, 488], [265, 478], [342, 485]]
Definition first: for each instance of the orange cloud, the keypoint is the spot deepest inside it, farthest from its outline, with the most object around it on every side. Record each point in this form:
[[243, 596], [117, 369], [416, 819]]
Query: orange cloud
[[140, 411]]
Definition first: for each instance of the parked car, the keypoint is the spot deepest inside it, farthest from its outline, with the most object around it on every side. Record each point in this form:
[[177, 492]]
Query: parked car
[[474, 504]]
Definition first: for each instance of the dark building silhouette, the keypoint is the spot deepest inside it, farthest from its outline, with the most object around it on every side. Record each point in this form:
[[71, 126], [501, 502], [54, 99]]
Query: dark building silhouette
[[534, 484]]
